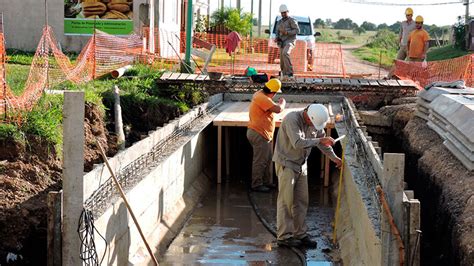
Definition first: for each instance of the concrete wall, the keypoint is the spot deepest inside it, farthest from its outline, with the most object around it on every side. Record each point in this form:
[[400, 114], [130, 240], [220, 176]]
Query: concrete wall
[[162, 200], [24, 21], [358, 242]]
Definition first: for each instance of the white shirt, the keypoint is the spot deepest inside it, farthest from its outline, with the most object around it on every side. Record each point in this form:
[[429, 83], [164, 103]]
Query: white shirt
[[405, 30]]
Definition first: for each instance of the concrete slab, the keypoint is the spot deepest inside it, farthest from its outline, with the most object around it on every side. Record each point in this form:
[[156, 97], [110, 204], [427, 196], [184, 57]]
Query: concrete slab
[[459, 155], [375, 118], [432, 93]]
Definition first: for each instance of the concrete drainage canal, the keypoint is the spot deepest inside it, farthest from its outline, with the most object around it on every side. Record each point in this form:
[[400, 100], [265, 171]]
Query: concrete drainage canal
[[187, 184]]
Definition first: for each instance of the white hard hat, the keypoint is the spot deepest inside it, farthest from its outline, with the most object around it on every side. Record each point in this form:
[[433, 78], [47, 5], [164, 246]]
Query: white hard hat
[[283, 8], [319, 115]]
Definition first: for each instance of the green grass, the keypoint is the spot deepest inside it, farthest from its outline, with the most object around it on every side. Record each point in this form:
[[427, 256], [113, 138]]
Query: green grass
[[17, 75], [344, 36], [373, 55], [11, 131], [444, 52]]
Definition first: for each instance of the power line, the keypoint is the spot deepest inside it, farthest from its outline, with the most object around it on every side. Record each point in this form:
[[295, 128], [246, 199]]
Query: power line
[[403, 4]]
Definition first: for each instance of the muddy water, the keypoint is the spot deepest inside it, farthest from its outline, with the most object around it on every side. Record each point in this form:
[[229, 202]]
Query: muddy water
[[224, 229]]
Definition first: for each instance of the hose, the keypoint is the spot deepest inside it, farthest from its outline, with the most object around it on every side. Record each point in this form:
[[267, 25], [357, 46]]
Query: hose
[[272, 231]]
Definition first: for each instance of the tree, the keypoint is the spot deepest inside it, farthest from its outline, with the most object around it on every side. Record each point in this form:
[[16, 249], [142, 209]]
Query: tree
[[382, 26], [319, 23], [358, 30], [368, 26], [395, 27], [345, 24], [234, 19], [328, 23]]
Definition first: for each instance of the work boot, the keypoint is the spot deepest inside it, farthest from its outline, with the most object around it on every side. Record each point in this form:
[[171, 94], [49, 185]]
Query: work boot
[[307, 242], [261, 188], [289, 242]]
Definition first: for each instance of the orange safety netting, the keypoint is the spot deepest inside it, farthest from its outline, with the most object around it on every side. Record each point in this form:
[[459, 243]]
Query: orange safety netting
[[443, 70], [322, 59], [102, 54]]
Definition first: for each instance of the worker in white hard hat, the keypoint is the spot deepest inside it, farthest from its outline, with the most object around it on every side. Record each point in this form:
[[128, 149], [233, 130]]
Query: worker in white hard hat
[[406, 28], [260, 133], [286, 31], [299, 132], [418, 42]]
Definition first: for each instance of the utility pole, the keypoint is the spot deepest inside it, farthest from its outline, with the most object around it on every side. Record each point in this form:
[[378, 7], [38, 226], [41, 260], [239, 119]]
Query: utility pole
[[259, 18], [238, 4], [222, 4], [270, 18], [151, 33], [466, 3], [251, 14], [467, 26]]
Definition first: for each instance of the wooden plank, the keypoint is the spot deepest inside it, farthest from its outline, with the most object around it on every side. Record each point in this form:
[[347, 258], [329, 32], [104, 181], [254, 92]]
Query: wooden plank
[[183, 76], [192, 77], [300, 80], [354, 82], [406, 83], [166, 75], [393, 83], [201, 77], [326, 82], [174, 76], [54, 202], [373, 82], [364, 82], [308, 80], [317, 81], [336, 81], [345, 82], [382, 82]]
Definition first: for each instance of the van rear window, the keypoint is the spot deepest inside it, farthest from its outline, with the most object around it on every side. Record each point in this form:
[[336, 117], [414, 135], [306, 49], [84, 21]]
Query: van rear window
[[305, 28]]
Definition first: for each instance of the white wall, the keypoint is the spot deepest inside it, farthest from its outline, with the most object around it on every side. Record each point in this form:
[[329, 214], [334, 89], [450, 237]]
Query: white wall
[[24, 21]]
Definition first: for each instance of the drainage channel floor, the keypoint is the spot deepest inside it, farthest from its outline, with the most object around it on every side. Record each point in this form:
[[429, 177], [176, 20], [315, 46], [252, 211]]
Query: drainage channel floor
[[225, 230]]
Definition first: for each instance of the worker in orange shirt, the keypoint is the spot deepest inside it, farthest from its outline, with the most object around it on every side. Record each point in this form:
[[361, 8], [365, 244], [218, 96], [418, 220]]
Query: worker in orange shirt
[[260, 133], [418, 42]]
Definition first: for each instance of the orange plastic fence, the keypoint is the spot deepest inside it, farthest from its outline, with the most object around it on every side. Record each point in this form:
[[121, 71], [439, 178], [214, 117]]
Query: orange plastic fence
[[443, 70], [102, 54], [318, 60]]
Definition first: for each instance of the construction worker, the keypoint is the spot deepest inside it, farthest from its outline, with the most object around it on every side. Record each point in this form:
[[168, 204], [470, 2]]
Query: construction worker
[[406, 28], [418, 42], [299, 132], [287, 29], [260, 133]]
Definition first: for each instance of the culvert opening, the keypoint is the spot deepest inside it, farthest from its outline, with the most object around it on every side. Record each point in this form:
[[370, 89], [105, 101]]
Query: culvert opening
[[240, 152]]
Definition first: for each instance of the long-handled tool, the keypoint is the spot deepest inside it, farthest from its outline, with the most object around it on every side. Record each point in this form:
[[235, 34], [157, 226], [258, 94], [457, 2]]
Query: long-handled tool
[[192, 58], [122, 194]]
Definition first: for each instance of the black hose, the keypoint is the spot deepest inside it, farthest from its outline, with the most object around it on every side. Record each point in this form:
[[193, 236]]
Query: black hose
[[270, 229]]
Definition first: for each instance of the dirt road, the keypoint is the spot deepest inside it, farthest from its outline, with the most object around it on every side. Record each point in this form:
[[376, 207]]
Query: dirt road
[[356, 66]]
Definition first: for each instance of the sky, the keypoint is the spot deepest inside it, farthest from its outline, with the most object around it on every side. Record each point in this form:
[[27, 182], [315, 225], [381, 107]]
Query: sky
[[336, 9]]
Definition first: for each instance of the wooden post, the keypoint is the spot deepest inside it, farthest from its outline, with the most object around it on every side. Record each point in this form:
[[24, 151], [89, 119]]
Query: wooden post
[[219, 154], [73, 172], [392, 183], [54, 202], [227, 153], [326, 163]]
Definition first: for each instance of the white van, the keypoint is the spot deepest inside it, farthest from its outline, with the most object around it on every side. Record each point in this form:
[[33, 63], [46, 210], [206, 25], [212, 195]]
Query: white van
[[306, 34]]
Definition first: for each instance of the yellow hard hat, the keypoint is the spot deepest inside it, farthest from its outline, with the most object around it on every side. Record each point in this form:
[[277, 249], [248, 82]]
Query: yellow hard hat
[[409, 11], [274, 85], [419, 19]]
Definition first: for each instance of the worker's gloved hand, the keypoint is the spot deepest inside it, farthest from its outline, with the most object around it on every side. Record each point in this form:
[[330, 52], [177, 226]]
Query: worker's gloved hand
[[326, 141], [338, 162]]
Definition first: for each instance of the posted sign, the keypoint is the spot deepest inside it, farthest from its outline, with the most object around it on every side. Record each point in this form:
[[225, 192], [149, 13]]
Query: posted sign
[[111, 16]]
